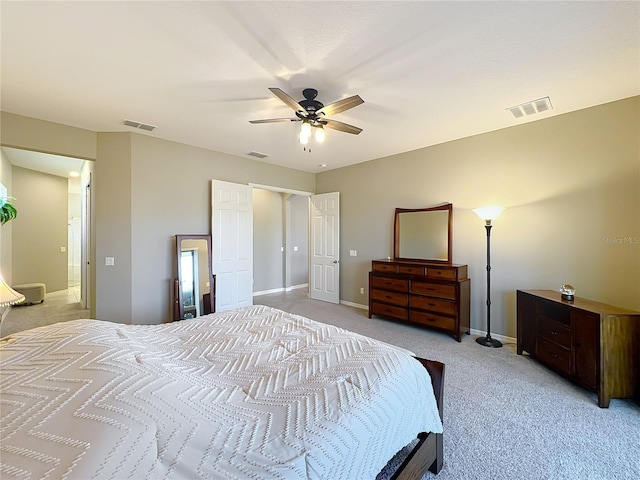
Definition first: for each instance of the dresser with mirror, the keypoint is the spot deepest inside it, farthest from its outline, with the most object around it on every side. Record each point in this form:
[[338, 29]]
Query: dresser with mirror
[[420, 284]]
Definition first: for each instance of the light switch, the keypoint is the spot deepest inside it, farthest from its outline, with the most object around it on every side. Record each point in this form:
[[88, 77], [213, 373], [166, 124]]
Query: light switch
[[353, 253], [295, 249], [63, 249], [109, 261]]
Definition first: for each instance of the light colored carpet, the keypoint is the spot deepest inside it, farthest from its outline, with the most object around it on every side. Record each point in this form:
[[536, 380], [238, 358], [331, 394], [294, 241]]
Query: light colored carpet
[[57, 307], [505, 416]]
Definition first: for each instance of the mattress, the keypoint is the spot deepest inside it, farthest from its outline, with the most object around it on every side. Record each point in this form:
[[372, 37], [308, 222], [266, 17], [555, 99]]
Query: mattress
[[252, 393]]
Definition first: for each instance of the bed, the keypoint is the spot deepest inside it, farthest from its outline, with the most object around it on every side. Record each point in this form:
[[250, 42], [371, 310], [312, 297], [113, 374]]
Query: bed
[[254, 393]]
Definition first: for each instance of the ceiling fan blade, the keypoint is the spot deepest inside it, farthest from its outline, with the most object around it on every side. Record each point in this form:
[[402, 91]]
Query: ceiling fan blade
[[288, 100], [343, 127], [340, 106], [275, 120]]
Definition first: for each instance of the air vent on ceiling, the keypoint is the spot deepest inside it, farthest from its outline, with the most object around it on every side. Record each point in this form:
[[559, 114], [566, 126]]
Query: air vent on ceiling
[[257, 154], [141, 126], [531, 108]]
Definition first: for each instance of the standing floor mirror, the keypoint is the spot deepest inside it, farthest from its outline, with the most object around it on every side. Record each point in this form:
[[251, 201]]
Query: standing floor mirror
[[194, 289]]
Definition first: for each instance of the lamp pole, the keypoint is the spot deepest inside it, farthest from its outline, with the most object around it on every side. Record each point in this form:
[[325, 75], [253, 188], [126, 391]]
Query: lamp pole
[[488, 214], [487, 341]]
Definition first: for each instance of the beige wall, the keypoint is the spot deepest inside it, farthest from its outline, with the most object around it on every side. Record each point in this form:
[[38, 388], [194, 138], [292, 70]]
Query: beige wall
[[571, 185], [47, 137], [298, 237], [171, 194], [268, 227], [40, 229]]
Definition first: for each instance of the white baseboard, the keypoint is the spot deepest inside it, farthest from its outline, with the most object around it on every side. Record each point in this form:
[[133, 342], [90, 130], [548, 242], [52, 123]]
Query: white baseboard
[[280, 290], [355, 305]]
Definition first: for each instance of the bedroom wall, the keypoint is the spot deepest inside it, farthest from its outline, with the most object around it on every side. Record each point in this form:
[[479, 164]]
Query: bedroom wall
[[571, 185], [171, 194], [40, 229], [298, 238], [145, 191], [268, 226]]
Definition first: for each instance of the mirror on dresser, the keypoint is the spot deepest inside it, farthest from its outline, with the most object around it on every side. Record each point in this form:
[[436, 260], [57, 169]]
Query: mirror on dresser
[[194, 289], [424, 233]]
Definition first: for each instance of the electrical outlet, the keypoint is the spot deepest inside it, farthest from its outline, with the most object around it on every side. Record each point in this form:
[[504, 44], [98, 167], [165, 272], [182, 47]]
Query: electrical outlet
[[362, 290], [353, 253], [109, 261]]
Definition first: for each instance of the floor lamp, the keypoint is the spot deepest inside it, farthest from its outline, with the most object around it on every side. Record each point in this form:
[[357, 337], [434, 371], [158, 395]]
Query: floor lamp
[[488, 214]]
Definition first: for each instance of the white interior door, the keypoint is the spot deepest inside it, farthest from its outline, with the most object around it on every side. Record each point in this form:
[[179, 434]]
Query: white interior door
[[232, 238], [324, 255]]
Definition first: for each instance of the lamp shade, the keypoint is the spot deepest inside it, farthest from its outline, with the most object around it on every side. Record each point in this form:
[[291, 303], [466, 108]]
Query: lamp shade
[[488, 213], [8, 296]]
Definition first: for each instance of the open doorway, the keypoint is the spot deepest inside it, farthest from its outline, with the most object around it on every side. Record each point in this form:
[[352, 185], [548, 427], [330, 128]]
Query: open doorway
[[281, 241], [49, 243]]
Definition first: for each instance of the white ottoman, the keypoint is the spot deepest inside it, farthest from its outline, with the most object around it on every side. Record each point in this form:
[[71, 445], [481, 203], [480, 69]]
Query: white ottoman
[[33, 292]]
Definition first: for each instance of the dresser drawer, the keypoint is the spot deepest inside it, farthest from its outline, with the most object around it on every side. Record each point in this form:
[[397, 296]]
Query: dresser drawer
[[395, 284], [432, 320], [401, 299], [412, 270], [384, 267], [388, 311], [446, 273], [554, 355], [553, 331], [434, 289], [446, 307]]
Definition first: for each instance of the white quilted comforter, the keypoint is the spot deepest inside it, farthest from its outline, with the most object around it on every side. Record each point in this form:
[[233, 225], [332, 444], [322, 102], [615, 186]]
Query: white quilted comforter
[[253, 393]]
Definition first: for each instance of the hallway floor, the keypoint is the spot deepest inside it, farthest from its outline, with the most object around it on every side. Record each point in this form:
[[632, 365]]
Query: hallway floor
[[57, 307]]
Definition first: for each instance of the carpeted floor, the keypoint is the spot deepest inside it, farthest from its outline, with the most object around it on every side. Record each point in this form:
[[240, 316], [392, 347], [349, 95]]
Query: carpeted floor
[[505, 415], [57, 307]]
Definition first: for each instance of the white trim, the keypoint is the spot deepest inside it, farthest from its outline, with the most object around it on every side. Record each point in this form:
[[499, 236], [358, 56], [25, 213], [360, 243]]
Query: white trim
[[280, 290], [281, 190], [355, 305], [267, 292]]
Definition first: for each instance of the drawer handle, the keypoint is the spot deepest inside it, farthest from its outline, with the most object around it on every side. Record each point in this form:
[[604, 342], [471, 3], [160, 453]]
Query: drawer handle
[[431, 304], [431, 289], [553, 333], [388, 296], [554, 355]]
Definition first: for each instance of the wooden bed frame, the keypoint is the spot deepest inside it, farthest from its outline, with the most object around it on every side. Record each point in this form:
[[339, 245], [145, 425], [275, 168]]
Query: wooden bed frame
[[427, 454]]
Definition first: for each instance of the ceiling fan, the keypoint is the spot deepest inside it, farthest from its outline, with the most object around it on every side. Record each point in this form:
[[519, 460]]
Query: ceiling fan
[[313, 114]]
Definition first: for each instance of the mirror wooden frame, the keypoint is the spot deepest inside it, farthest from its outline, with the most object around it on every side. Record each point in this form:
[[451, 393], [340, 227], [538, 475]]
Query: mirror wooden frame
[[178, 312], [396, 232]]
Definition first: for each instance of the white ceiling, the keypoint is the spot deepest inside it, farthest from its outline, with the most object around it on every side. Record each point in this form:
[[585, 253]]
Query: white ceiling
[[429, 72]]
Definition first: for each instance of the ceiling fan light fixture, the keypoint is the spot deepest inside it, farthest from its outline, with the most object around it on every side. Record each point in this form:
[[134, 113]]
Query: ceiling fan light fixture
[[303, 139], [305, 129], [319, 133]]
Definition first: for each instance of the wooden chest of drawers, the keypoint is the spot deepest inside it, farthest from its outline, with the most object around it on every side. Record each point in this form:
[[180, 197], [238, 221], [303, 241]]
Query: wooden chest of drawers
[[428, 294], [591, 343]]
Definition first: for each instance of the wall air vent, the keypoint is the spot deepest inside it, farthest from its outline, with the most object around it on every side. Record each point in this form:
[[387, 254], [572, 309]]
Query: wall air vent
[[141, 126], [257, 154], [531, 108]]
